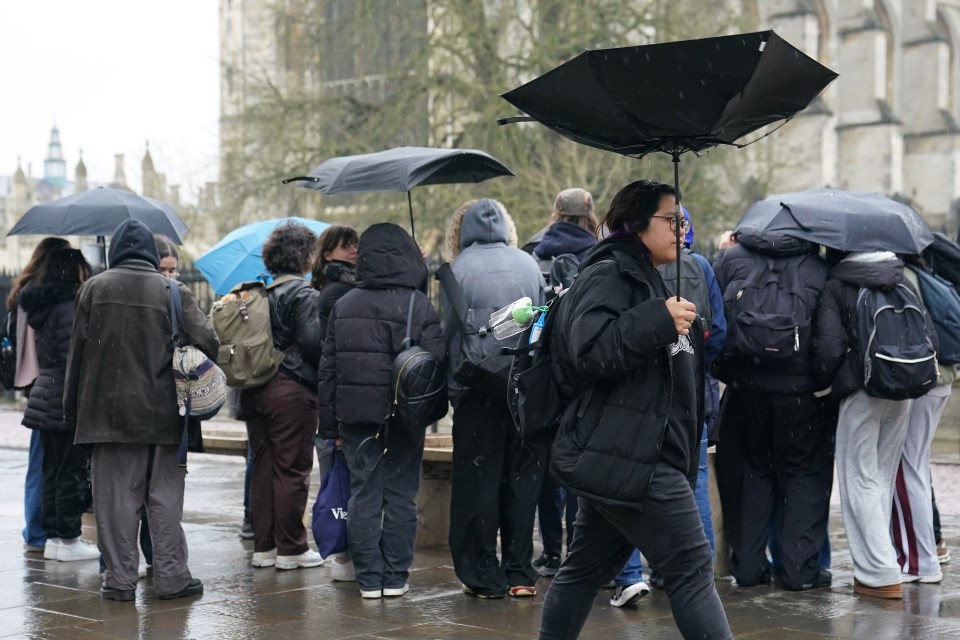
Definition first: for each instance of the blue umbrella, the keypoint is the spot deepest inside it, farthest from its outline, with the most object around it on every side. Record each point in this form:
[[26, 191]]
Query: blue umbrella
[[237, 257]]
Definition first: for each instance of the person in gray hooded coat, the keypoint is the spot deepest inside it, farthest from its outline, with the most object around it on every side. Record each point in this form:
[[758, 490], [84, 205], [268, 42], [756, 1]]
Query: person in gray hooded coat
[[496, 481]]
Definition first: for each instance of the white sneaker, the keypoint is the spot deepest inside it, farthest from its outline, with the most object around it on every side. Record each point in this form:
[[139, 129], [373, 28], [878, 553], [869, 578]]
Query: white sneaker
[[264, 558], [50, 548], [395, 592], [305, 560], [142, 571], [370, 595], [343, 571], [935, 578], [629, 594], [77, 549]]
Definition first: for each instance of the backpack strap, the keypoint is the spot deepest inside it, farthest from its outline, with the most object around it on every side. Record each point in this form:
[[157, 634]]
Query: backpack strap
[[408, 340], [176, 315], [287, 277], [449, 284]]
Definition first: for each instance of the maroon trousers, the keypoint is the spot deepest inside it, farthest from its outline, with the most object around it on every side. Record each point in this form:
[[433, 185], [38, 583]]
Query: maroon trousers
[[281, 419]]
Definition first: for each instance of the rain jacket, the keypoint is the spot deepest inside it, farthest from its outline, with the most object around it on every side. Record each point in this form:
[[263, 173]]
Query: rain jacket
[[341, 278], [119, 382], [49, 309], [490, 270], [295, 323], [611, 351], [733, 267], [367, 327], [836, 339]]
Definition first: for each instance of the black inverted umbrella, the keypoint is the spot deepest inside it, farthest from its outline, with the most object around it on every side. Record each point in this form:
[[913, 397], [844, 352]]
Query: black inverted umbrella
[[845, 220], [99, 212], [673, 97], [402, 169]]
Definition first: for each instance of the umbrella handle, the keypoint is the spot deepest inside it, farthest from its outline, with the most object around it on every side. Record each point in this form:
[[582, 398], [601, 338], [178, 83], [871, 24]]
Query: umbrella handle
[[413, 232], [677, 213]]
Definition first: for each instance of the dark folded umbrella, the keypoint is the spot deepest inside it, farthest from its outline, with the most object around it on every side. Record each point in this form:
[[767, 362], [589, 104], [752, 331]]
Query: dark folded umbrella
[[401, 169], [673, 97], [845, 220], [99, 212]]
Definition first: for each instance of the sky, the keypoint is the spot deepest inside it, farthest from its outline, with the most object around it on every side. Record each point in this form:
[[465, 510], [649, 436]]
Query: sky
[[113, 75]]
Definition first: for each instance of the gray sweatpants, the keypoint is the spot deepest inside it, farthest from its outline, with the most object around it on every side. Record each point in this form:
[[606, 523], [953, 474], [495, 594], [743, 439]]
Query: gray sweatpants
[[913, 506], [125, 477], [870, 435]]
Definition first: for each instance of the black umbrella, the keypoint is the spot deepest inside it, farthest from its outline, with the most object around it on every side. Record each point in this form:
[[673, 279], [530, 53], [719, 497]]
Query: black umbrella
[[845, 220], [673, 97], [99, 212], [402, 169]]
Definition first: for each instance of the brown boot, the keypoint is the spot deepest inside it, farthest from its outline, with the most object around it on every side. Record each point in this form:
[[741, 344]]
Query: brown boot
[[889, 591]]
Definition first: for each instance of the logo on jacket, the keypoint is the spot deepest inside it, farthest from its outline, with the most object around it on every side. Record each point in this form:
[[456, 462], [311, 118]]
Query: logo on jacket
[[339, 513], [683, 344]]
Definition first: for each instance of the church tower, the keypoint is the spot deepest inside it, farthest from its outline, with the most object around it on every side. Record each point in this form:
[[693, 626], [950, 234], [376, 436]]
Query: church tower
[[55, 167], [80, 175]]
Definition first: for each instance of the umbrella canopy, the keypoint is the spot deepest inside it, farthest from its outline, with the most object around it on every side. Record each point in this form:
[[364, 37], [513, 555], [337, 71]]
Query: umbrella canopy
[[673, 97], [845, 220], [99, 212], [402, 169], [237, 257]]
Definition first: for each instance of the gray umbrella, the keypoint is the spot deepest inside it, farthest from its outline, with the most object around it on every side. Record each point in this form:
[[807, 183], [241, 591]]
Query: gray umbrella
[[402, 169], [845, 220], [99, 212]]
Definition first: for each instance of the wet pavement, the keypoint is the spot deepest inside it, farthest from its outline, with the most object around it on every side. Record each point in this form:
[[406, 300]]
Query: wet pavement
[[48, 599]]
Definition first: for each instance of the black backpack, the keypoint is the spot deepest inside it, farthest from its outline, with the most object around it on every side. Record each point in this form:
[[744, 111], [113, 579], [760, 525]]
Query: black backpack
[[419, 384], [558, 272], [769, 320], [897, 358], [8, 351], [693, 284], [943, 258]]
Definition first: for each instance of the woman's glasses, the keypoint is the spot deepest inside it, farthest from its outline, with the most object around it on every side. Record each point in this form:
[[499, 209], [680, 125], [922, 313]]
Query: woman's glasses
[[684, 223]]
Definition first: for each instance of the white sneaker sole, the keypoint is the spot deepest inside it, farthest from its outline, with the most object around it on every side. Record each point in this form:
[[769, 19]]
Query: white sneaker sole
[[370, 595], [285, 565], [263, 563], [396, 593]]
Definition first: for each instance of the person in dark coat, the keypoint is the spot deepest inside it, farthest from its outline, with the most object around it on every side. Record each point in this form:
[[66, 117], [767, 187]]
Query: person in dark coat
[[49, 308], [870, 430], [355, 392], [773, 458], [121, 396], [281, 415], [624, 354]]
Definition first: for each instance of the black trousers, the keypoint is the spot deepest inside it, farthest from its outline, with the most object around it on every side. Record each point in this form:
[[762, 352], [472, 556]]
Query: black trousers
[[496, 483], [774, 461], [66, 484]]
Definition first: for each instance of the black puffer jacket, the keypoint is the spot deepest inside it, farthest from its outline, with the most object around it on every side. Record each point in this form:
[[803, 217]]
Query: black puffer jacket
[[50, 309], [733, 267], [836, 339], [296, 329], [340, 278], [367, 328], [610, 347]]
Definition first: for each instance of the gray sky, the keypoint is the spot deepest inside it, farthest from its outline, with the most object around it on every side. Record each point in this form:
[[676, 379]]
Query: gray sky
[[112, 74]]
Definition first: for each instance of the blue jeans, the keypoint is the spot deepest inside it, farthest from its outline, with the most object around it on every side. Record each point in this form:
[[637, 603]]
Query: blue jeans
[[667, 529], [555, 505], [702, 492], [33, 494], [632, 572]]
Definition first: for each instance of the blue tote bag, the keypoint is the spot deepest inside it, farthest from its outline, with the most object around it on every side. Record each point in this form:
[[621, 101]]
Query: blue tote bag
[[330, 510]]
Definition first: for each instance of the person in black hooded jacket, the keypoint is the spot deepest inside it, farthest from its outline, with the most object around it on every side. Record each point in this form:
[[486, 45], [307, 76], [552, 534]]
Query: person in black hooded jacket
[[50, 307], [627, 355], [355, 391]]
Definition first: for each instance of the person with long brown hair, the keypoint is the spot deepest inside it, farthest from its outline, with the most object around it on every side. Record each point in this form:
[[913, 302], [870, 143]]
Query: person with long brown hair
[[34, 539]]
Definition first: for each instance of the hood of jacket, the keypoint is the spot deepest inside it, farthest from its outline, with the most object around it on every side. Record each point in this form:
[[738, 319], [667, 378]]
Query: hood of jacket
[[874, 270], [133, 241], [775, 245], [388, 257], [487, 223], [39, 301], [564, 237]]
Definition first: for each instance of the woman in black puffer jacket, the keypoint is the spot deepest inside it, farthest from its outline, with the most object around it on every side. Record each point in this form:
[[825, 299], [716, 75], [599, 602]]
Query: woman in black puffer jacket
[[50, 307], [333, 271]]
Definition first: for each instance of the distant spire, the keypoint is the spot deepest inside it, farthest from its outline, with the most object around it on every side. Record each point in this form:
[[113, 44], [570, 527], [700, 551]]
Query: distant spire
[[80, 175], [55, 167]]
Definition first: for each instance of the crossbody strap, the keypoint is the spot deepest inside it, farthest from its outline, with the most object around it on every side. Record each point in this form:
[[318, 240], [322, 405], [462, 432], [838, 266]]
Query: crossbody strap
[[176, 314], [408, 340], [454, 293]]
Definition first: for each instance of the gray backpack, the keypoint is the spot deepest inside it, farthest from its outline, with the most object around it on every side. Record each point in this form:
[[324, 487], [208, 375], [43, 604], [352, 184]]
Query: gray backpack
[[693, 284]]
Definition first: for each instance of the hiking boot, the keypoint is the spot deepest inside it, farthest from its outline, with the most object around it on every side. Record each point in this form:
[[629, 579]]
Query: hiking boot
[[121, 595], [547, 565], [943, 554], [77, 549], [305, 560], [263, 559], [629, 593], [195, 588], [343, 571], [888, 591], [395, 592]]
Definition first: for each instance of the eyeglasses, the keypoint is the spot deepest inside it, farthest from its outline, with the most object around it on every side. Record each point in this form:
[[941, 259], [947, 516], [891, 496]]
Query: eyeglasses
[[684, 223]]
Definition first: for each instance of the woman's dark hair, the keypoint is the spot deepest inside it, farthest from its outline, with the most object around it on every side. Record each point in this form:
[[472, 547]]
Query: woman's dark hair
[[34, 268], [634, 205], [67, 266], [289, 249], [166, 248], [330, 239]]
